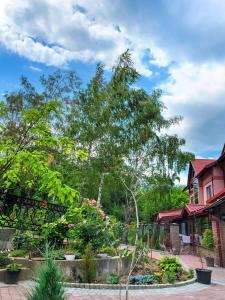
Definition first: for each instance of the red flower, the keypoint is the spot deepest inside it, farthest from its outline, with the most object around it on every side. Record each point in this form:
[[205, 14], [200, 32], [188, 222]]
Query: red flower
[[44, 204], [70, 225]]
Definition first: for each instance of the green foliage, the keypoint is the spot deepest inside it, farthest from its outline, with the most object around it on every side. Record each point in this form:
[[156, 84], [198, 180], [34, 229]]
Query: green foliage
[[55, 232], [172, 264], [141, 279], [50, 280], [113, 279], [4, 259], [88, 265], [53, 149], [160, 194], [14, 267], [155, 238], [171, 276], [58, 254], [89, 232], [190, 273], [208, 240], [18, 253], [109, 250], [158, 276], [26, 240]]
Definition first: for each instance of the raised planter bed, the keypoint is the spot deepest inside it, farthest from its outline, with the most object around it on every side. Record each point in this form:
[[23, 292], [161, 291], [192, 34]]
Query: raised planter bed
[[123, 286]]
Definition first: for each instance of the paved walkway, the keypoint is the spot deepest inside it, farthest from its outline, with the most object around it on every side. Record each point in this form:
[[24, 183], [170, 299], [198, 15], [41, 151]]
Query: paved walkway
[[216, 291]]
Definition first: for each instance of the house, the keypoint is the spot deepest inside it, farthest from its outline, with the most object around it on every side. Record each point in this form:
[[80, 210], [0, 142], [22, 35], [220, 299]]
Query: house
[[206, 207]]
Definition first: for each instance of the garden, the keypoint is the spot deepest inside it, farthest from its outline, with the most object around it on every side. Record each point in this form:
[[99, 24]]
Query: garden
[[67, 141], [86, 244]]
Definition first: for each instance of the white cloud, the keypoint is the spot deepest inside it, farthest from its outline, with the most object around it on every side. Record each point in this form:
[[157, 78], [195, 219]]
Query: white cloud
[[35, 69], [52, 32], [197, 92]]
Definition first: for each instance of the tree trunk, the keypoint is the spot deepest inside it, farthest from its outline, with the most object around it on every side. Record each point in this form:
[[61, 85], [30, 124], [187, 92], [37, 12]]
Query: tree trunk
[[135, 245], [100, 188]]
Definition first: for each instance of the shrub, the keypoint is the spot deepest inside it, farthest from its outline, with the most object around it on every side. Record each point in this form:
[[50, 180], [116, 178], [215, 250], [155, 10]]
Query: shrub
[[4, 260], [18, 253], [168, 264], [207, 240], [58, 254], [109, 250], [78, 255], [158, 276], [55, 232], [88, 265], [113, 279], [171, 277], [90, 232], [190, 274], [50, 280], [141, 279]]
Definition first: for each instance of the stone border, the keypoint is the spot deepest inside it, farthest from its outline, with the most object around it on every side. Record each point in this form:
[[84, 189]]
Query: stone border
[[123, 286]]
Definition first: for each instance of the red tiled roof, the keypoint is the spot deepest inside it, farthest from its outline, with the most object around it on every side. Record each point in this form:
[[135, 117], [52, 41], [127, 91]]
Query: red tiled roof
[[170, 214], [194, 209], [216, 196], [200, 163]]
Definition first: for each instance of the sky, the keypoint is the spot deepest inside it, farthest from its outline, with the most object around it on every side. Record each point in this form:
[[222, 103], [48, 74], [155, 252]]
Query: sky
[[177, 46]]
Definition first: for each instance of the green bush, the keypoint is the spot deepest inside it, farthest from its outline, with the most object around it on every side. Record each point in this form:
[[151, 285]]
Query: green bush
[[58, 254], [168, 264], [113, 279], [50, 278], [171, 276], [158, 276], [4, 260], [109, 250], [190, 274], [208, 240], [88, 265], [18, 253], [27, 241], [55, 232], [89, 232]]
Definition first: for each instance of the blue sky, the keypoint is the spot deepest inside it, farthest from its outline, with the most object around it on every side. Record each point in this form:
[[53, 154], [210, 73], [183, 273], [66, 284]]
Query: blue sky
[[177, 46]]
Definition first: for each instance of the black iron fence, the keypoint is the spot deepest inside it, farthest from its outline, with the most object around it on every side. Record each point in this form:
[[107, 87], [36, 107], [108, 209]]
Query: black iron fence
[[27, 214]]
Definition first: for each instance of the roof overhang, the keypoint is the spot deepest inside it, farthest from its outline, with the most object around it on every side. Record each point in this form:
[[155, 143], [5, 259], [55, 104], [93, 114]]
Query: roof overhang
[[215, 204]]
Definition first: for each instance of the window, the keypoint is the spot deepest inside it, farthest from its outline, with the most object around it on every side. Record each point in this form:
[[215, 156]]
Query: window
[[208, 191], [195, 185]]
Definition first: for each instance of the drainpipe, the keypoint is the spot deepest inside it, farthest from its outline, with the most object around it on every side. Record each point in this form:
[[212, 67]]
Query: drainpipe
[[212, 218]]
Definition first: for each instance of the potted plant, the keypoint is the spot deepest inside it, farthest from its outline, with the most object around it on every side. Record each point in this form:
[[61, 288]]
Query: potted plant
[[208, 244], [203, 275], [69, 254], [12, 273]]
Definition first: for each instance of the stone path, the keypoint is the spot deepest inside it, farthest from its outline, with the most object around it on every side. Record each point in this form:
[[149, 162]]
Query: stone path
[[216, 291]]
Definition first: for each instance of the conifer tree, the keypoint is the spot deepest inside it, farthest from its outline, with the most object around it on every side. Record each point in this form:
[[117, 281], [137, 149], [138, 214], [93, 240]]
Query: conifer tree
[[50, 285]]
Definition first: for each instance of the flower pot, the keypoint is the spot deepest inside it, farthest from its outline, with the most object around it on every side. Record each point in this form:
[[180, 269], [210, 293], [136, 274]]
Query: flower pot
[[204, 276], [11, 277], [209, 261], [69, 257]]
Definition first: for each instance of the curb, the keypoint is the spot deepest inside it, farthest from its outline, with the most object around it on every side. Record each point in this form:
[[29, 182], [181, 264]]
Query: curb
[[123, 286]]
